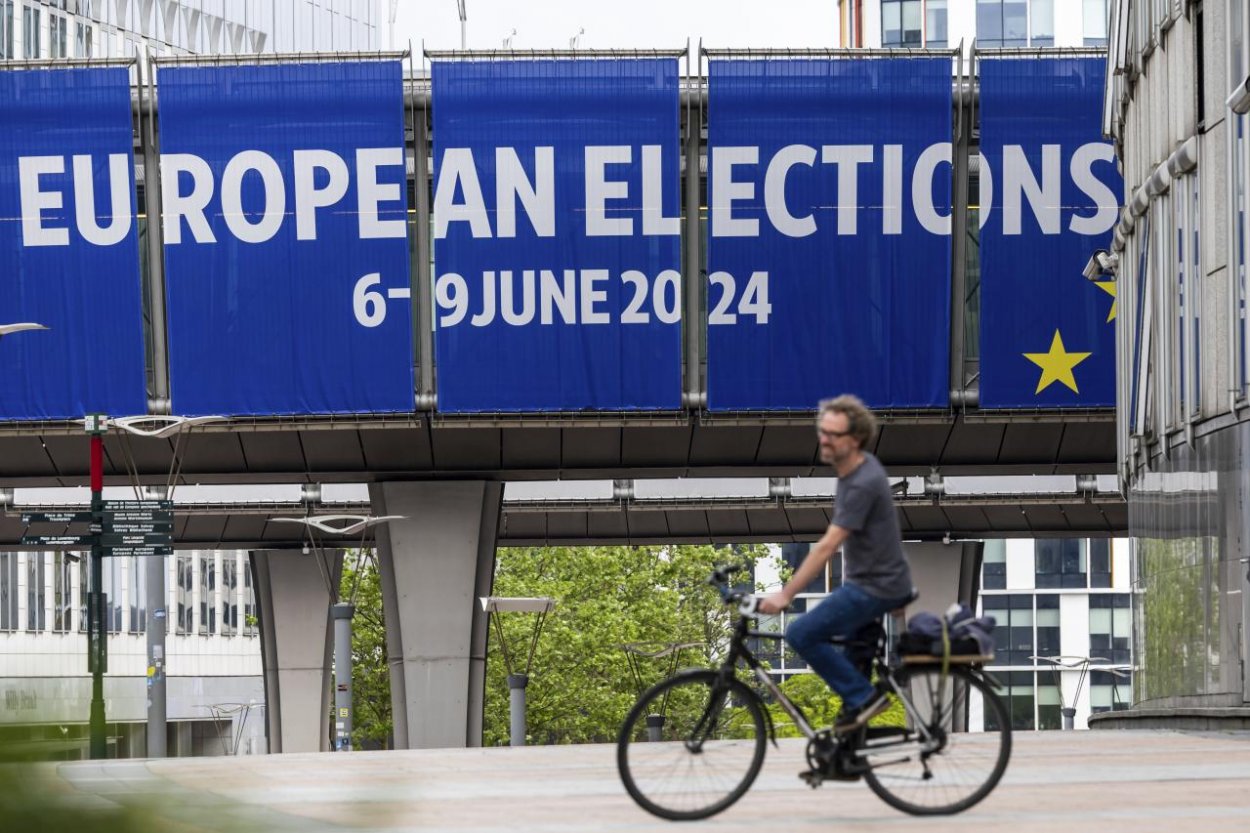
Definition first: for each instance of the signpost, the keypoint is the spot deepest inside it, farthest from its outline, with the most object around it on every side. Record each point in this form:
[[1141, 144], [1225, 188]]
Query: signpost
[[115, 528]]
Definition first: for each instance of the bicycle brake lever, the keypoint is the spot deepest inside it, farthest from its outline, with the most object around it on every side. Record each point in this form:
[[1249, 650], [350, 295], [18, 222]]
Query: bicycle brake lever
[[750, 605]]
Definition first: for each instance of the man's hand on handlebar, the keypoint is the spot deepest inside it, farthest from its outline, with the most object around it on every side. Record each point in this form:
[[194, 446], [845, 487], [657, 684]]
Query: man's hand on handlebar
[[774, 602]]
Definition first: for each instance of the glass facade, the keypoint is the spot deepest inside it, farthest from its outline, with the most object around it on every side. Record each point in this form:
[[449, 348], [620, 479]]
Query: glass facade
[[119, 28], [1015, 23]]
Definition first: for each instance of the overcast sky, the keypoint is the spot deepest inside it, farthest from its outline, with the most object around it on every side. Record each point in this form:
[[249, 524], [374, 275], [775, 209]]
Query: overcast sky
[[633, 24]]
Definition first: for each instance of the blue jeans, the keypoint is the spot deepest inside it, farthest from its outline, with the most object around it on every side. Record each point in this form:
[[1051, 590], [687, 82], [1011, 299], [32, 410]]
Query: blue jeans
[[842, 613]]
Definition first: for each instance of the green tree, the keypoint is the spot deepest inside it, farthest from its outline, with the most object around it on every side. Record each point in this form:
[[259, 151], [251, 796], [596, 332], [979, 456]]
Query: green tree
[[581, 685], [373, 727]]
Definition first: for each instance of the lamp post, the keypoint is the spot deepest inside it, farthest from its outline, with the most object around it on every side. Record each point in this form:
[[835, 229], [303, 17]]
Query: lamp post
[[464, 18], [517, 682], [157, 427], [1070, 663]]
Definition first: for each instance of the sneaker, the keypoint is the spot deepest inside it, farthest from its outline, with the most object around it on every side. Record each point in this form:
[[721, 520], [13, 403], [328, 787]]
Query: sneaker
[[851, 719]]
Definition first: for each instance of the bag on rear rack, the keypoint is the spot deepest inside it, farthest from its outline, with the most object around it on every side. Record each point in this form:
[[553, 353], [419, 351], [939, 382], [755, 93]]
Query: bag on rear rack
[[968, 634]]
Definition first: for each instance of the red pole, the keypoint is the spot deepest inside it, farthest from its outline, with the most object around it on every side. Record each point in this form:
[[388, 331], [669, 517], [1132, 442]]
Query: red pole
[[97, 464]]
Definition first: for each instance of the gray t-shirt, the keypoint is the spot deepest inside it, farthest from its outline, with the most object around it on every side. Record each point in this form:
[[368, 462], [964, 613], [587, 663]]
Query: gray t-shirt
[[872, 557]]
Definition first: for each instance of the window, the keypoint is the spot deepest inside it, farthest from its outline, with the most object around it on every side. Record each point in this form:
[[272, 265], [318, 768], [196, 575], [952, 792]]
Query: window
[[62, 592], [84, 590], [1109, 691], [1048, 625], [249, 601], [1110, 628], [1059, 562], [1018, 697], [994, 565], [185, 575], [1002, 23], [913, 23], [138, 594], [58, 39], [82, 40], [229, 594], [900, 23], [935, 36], [6, 30], [113, 588], [208, 587], [36, 573], [1049, 702], [1099, 562], [30, 32], [1095, 22], [1013, 633], [1014, 23], [8, 591]]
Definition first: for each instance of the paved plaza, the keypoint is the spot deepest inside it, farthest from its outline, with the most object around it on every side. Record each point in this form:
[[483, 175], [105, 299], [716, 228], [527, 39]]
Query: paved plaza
[[1078, 781]]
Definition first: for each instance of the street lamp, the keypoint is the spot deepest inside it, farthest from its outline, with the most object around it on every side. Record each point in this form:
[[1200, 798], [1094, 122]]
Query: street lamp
[[342, 612], [1069, 663], [149, 426], [464, 17], [9, 329], [493, 606]]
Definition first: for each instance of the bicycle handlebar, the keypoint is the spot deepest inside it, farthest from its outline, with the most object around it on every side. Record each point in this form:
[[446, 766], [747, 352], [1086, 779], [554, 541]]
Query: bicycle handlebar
[[746, 602]]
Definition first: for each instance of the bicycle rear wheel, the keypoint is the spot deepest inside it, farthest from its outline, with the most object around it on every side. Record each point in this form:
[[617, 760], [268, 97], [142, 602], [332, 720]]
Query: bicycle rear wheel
[[692, 745], [951, 769]]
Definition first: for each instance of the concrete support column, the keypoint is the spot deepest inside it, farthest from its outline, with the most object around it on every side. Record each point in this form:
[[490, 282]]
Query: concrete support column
[[435, 564], [293, 605], [946, 573]]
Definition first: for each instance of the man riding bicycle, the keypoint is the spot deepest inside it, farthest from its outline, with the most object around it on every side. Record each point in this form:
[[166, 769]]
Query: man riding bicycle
[[876, 575]]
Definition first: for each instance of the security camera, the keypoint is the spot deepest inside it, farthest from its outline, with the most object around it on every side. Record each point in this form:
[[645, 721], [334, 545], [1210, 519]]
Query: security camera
[[1101, 264], [1239, 99]]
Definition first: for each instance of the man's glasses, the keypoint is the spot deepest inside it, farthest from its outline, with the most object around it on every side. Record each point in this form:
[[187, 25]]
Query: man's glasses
[[831, 435]]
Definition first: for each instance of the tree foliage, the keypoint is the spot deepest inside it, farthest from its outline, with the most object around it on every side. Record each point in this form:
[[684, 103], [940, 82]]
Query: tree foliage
[[581, 682], [373, 727]]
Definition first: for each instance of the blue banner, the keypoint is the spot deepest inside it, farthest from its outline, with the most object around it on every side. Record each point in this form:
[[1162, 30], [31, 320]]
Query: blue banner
[[69, 250], [557, 235], [1048, 199], [829, 232], [284, 198]]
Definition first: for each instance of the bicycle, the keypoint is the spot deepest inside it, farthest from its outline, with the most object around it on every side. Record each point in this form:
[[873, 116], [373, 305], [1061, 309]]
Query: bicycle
[[694, 743]]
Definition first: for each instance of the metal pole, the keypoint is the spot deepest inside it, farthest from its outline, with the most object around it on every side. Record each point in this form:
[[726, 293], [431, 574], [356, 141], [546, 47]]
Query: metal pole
[[423, 298], [693, 276], [157, 628], [655, 727], [97, 646], [342, 614], [1069, 717], [156, 245], [516, 703]]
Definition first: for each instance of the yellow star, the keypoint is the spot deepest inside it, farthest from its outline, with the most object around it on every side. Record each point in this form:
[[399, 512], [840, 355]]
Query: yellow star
[[1056, 365], [1109, 288]]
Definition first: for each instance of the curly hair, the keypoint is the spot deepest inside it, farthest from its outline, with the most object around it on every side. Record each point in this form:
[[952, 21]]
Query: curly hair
[[861, 422]]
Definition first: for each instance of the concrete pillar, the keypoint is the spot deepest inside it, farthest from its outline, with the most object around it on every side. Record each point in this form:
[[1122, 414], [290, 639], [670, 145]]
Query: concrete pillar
[[293, 605], [435, 564], [945, 573]]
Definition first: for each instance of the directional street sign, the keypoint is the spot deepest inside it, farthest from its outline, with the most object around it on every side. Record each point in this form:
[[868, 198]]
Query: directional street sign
[[56, 517], [62, 541], [113, 539], [137, 527], [137, 505], [143, 552]]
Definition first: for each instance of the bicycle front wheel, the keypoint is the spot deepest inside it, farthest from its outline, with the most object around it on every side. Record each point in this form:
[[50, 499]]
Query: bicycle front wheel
[[692, 745], [941, 768]]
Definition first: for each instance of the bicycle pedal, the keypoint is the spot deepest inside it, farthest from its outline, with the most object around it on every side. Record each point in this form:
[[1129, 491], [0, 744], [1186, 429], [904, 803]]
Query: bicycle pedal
[[812, 778]]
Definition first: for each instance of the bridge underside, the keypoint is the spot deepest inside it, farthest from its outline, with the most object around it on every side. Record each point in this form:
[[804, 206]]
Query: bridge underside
[[654, 521], [353, 449]]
